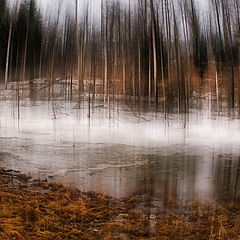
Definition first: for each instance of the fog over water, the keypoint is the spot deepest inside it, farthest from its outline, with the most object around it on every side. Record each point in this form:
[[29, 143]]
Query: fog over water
[[130, 153]]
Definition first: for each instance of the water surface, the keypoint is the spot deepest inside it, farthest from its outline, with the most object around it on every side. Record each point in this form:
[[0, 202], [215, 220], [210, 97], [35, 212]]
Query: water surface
[[123, 151]]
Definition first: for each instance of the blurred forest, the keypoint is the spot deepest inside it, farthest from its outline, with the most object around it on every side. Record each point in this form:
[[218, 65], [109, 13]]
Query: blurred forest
[[163, 52]]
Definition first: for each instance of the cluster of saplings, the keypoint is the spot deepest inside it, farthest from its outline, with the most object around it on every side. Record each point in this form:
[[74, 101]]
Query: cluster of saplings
[[157, 51]]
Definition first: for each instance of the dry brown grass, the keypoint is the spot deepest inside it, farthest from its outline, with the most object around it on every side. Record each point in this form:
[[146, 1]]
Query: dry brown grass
[[41, 210]]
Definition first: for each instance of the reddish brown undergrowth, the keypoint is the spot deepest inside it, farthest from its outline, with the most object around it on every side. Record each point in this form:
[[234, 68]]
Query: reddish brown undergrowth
[[40, 210]]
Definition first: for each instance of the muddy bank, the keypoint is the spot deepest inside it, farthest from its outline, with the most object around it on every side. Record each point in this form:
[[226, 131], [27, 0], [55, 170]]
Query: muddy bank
[[34, 209]]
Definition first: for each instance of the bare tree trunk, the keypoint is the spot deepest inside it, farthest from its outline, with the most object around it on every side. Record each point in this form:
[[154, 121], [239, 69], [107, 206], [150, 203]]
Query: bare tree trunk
[[162, 73], [231, 57], [154, 53], [124, 64], [139, 71], [8, 53], [25, 53], [80, 80], [217, 90], [149, 76], [106, 59], [168, 30]]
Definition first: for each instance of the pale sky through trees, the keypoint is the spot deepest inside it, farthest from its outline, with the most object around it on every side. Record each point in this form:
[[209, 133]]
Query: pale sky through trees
[[50, 7], [47, 5], [53, 4]]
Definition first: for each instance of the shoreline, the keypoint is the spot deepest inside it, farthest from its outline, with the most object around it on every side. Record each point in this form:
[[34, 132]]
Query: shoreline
[[37, 209]]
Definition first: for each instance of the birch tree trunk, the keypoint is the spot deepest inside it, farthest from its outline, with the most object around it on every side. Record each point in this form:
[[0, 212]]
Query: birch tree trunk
[[154, 52], [8, 52]]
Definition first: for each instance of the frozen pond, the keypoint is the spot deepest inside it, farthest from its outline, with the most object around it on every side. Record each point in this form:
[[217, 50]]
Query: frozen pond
[[123, 151]]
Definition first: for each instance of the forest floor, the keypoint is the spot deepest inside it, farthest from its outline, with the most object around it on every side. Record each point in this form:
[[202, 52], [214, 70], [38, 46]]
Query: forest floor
[[34, 209]]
